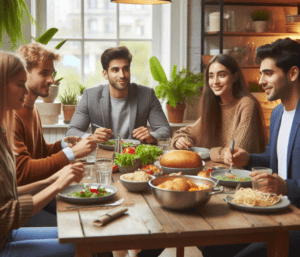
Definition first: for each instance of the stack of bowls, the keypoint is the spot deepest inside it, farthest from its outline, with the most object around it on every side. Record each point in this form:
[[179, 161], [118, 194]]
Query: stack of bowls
[[293, 23]]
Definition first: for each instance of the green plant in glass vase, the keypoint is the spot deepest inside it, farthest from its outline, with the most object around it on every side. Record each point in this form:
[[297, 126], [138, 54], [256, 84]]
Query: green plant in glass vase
[[183, 87]]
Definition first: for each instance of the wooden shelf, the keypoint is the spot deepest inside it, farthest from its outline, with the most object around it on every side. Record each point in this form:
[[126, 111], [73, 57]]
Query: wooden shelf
[[251, 34], [206, 59], [255, 2]]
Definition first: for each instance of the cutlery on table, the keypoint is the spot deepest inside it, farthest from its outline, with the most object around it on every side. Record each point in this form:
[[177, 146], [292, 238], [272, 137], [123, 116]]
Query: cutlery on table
[[231, 148], [100, 127], [96, 205]]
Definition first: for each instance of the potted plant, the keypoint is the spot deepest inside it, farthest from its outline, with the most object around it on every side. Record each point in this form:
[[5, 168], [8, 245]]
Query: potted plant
[[69, 102], [44, 39], [260, 20], [81, 89], [183, 87]]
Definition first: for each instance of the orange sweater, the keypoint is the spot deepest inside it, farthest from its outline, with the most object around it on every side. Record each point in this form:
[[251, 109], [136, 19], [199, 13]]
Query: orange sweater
[[35, 159], [239, 121]]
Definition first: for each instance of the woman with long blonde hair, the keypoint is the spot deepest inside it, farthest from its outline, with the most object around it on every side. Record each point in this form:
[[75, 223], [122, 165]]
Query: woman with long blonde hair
[[227, 111], [18, 204]]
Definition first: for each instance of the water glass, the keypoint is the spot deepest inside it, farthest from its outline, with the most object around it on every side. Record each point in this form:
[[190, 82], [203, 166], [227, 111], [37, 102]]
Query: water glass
[[255, 184], [89, 175], [92, 157], [164, 144], [104, 170]]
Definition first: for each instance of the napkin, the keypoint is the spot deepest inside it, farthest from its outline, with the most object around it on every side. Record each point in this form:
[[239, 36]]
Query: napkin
[[112, 214]]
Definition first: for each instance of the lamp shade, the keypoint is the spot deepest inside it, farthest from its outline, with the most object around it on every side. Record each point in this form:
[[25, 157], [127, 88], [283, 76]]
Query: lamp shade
[[141, 1]]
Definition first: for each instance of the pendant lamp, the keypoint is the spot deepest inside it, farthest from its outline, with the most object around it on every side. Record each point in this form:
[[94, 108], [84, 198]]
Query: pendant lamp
[[141, 1]]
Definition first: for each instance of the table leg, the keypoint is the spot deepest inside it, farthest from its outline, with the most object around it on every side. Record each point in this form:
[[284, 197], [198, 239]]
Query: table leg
[[180, 252], [279, 246], [82, 250]]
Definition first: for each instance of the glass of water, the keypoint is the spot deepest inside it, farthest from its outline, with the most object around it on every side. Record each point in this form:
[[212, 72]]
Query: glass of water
[[89, 175], [104, 170], [255, 184], [92, 157], [164, 144]]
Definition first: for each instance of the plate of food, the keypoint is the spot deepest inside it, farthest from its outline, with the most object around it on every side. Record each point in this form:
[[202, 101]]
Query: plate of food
[[136, 181], [190, 163], [88, 195], [232, 179], [110, 144], [246, 199], [203, 152]]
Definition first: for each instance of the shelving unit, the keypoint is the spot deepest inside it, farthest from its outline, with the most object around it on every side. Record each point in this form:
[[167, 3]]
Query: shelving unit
[[251, 36]]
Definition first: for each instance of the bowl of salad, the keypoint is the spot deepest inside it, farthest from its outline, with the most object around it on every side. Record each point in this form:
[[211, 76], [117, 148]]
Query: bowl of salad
[[232, 179], [92, 194], [132, 159], [110, 144]]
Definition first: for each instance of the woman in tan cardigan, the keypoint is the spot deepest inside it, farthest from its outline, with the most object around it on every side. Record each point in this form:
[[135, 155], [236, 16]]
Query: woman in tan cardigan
[[18, 204], [227, 111]]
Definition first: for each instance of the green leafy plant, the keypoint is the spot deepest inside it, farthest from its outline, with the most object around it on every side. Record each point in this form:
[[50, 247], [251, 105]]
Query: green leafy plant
[[183, 87], [255, 87], [81, 88], [68, 97], [260, 15], [11, 20]]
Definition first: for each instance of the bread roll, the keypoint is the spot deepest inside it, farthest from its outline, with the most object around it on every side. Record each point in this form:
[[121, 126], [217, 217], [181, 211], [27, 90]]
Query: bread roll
[[204, 174], [181, 159]]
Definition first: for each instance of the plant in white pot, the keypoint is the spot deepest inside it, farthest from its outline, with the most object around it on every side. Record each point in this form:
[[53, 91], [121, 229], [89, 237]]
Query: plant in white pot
[[183, 87], [44, 39], [260, 20]]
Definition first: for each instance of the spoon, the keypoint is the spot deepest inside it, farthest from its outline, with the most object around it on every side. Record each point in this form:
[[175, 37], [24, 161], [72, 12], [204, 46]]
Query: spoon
[[231, 148]]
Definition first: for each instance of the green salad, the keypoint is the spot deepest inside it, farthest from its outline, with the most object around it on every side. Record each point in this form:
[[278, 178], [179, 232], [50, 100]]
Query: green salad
[[89, 193], [124, 144], [237, 178]]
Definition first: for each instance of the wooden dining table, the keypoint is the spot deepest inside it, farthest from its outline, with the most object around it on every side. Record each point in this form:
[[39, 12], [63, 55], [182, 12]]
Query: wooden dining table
[[147, 225]]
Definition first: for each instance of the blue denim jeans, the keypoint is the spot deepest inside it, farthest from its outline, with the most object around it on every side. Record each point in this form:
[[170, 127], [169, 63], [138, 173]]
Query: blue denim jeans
[[36, 242]]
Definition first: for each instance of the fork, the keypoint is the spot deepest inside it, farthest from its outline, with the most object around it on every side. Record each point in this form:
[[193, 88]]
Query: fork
[[231, 148], [97, 205]]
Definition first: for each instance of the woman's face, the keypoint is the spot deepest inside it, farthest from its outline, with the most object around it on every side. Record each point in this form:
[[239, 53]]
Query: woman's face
[[16, 91], [221, 81]]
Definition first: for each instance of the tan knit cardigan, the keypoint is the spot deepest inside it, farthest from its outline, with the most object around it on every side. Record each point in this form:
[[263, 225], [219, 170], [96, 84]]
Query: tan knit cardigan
[[36, 160], [15, 211], [239, 121]]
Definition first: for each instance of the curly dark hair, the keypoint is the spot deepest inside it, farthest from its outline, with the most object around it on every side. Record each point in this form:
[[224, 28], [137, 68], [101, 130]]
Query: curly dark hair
[[285, 53]]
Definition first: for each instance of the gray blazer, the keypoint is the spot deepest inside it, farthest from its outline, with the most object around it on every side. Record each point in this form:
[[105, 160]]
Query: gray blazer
[[94, 108]]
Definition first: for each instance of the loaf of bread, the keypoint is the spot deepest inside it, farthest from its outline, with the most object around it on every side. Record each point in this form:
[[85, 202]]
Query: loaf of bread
[[181, 159]]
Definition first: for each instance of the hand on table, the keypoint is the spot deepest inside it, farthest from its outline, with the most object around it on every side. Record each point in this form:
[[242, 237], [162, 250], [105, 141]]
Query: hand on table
[[102, 134], [143, 134], [239, 157], [183, 143], [85, 147], [72, 140], [270, 183], [69, 174]]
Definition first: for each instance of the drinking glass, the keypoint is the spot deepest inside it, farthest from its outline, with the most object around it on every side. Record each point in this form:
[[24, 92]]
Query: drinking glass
[[92, 157], [89, 175], [164, 144], [255, 184], [104, 170]]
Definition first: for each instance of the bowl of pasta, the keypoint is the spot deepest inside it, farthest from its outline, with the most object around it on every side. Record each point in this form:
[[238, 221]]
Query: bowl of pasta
[[182, 192]]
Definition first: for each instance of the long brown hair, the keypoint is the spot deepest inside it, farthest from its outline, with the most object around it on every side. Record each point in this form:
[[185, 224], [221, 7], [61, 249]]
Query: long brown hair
[[210, 111]]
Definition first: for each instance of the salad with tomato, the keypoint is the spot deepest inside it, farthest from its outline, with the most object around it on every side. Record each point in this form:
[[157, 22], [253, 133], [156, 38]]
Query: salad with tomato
[[89, 193]]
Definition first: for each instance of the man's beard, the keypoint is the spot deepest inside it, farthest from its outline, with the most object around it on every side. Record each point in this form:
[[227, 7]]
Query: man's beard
[[116, 86]]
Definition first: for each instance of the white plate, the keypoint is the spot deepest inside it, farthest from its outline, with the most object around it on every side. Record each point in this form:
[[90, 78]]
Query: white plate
[[112, 147], [203, 152], [281, 205], [79, 187], [185, 171]]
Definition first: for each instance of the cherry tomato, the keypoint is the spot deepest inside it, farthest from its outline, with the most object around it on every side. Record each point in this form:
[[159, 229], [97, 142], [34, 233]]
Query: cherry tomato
[[94, 190], [150, 172], [129, 150], [82, 192], [115, 168]]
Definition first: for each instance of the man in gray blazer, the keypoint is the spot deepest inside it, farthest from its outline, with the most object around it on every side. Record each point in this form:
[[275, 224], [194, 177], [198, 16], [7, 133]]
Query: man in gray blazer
[[119, 107]]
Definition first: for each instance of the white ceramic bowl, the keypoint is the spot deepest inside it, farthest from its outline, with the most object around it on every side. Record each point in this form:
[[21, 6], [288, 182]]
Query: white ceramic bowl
[[133, 186]]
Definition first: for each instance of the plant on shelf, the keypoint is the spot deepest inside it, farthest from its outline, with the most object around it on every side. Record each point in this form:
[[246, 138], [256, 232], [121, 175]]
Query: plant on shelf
[[183, 87], [69, 102], [260, 20], [255, 87]]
